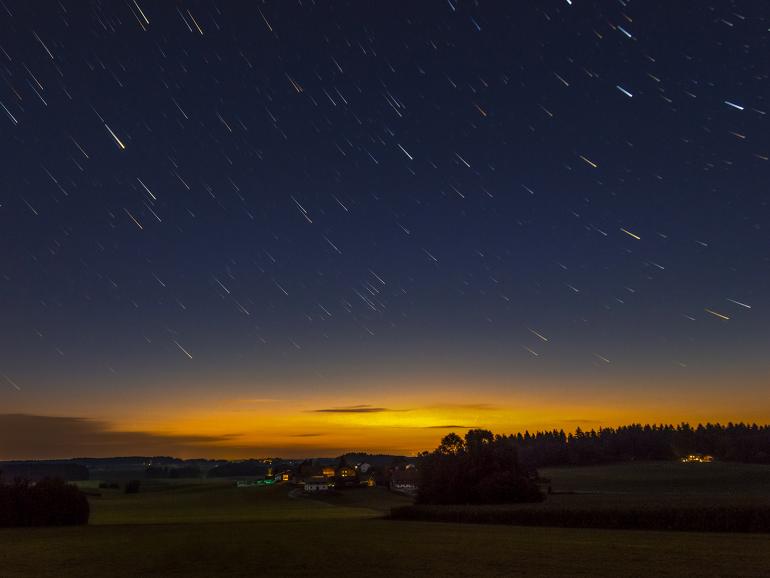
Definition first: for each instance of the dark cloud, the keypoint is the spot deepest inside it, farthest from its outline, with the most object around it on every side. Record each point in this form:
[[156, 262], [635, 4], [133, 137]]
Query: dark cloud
[[354, 409], [306, 435], [452, 426], [25, 436]]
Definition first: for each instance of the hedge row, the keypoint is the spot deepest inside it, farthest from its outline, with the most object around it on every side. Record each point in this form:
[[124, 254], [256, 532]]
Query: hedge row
[[705, 519]]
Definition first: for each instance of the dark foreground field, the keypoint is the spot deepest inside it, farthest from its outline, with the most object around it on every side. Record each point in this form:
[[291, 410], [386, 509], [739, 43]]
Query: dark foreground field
[[202, 529], [373, 548]]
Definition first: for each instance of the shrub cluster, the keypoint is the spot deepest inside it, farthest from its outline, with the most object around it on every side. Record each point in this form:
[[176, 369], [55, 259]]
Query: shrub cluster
[[705, 519], [49, 502]]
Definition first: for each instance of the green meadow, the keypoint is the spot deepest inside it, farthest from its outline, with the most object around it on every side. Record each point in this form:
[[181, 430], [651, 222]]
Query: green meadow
[[203, 528]]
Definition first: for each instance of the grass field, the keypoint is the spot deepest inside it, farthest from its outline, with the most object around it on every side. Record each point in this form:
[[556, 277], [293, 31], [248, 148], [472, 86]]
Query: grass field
[[721, 481], [659, 483], [178, 502], [193, 528]]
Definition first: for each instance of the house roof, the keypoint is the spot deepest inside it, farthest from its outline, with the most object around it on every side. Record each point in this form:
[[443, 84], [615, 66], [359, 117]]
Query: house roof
[[316, 480], [406, 476]]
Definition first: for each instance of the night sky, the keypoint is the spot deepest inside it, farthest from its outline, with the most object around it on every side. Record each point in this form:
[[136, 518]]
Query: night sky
[[292, 227]]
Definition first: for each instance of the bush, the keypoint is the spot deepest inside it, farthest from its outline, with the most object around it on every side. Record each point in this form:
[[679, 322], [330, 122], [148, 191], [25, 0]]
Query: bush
[[49, 502], [109, 486], [132, 487]]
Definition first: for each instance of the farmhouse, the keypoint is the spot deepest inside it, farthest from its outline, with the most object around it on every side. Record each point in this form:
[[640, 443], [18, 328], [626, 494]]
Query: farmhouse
[[345, 477], [405, 481], [317, 484], [346, 472]]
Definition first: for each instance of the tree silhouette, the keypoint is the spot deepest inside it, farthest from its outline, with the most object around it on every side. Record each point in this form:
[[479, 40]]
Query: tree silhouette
[[482, 468]]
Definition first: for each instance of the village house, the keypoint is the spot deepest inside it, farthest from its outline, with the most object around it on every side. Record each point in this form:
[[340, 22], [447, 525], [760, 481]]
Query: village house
[[697, 458], [345, 477], [405, 481], [367, 475], [317, 484], [346, 472]]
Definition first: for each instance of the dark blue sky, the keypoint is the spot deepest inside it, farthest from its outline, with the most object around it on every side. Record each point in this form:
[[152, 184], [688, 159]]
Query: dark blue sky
[[299, 195]]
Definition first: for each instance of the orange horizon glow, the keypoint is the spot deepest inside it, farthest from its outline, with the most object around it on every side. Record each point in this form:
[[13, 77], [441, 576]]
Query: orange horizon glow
[[394, 422]]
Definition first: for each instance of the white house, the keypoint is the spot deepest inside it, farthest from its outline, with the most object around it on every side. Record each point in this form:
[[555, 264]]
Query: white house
[[405, 481], [317, 485]]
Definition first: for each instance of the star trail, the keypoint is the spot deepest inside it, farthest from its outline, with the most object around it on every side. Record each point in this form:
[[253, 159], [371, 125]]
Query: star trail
[[221, 217]]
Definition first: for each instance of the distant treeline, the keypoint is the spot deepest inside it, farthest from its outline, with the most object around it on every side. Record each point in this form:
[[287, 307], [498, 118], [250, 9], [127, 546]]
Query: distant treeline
[[242, 468], [382, 461], [157, 472], [49, 502], [33, 471], [732, 442]]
